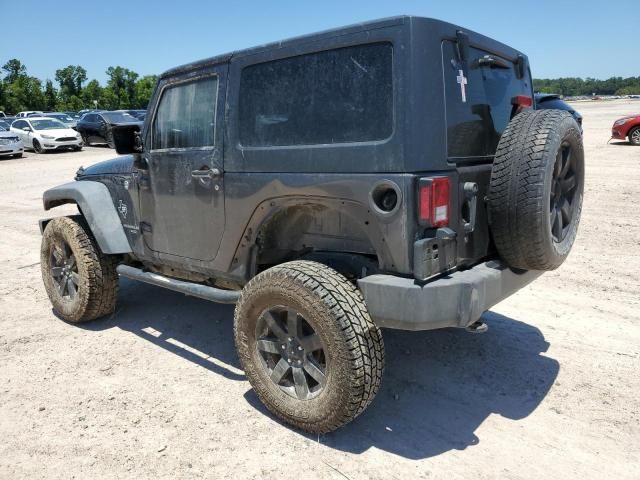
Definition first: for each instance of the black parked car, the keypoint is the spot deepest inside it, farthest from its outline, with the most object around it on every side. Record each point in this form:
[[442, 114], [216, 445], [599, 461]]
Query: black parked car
[[96, 127], [553, 101]]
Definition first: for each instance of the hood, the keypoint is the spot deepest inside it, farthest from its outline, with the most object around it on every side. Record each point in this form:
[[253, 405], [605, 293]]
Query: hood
[[4, 134], [120, 165], [628, 117], [58, 132]]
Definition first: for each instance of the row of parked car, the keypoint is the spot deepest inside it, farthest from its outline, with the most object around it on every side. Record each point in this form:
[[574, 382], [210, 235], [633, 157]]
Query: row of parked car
[[43, 131]]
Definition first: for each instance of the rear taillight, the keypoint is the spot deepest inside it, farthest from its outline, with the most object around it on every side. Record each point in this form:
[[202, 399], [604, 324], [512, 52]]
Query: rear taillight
[[522, 101], [433, 201]]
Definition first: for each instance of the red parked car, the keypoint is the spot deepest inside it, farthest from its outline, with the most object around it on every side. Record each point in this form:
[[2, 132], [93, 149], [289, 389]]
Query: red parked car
[[627, 127]]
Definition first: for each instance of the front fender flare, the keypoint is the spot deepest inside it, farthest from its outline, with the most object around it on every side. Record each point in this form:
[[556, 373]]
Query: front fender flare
[[96, 205]]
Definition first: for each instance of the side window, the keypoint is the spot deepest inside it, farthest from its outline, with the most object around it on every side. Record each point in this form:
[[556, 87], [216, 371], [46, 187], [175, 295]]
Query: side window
[[335, 96], [89, 118], [16, 124], [186, 115]]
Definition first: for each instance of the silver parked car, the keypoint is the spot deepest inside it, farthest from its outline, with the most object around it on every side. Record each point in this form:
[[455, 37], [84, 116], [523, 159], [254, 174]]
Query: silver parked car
[[42, 134], [10, 143]]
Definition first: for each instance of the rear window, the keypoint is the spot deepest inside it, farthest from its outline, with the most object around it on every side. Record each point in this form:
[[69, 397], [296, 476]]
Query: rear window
[[478, 102], [336, 96]]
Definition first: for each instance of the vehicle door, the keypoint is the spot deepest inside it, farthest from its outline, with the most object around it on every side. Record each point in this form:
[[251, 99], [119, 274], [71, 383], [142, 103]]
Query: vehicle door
[[102, 128], [25, 136], [181, 194], [94, 127], [16, 127], [84, 126]]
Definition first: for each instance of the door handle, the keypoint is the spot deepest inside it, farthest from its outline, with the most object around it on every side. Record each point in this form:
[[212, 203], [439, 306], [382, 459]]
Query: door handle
[[206, 172]]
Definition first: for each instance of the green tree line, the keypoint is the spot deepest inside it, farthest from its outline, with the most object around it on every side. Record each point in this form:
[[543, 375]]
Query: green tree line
[[71, 92], [588, 86], [126, 89]]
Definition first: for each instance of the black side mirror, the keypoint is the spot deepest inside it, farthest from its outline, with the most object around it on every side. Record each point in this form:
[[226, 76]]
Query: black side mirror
[[127, 138]]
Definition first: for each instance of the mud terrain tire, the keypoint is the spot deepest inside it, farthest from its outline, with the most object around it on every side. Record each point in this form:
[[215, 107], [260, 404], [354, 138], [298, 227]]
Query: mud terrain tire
[[80, 280], [351, 345]]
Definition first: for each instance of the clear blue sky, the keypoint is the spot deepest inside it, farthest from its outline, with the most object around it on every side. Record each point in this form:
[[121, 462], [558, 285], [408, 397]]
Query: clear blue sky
[[561, 37]]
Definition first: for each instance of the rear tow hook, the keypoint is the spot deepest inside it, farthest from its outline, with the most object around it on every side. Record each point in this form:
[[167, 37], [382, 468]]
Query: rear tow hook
[[477, 327]]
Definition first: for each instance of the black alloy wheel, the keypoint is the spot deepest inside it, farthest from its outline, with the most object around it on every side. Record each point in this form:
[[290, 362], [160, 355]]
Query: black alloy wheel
[[292, 352], [562, 196], [37, 147], [64, 270]]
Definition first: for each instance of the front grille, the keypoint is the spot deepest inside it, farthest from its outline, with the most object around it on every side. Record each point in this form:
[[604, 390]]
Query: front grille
[[8, 140], [65, 139]]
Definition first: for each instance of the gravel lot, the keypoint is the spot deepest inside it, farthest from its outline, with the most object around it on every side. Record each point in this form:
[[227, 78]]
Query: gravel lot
[[155, 391]]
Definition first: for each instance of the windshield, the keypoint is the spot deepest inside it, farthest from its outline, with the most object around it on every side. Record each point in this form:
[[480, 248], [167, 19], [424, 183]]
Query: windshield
[[49, 124], [116, 117], [4, 126], [61, 117]]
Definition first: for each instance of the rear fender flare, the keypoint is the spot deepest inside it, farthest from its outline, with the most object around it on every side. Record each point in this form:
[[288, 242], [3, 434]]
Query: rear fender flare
[[355, 211], [96, 205]]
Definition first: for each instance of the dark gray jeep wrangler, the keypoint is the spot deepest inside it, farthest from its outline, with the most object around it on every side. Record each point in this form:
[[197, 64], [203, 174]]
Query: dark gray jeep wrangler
[[388, 174]]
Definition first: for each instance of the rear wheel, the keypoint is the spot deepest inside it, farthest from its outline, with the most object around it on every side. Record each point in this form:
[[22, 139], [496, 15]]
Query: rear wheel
[[308, 345], [634, 136], [81, 282]]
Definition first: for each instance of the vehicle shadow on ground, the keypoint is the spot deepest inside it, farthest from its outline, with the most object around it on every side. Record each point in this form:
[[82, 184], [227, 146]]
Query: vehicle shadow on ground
[[438, 386], [194, 329]]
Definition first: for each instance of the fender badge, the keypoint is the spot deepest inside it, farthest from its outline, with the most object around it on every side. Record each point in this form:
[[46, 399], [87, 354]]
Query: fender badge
[[122, 208]]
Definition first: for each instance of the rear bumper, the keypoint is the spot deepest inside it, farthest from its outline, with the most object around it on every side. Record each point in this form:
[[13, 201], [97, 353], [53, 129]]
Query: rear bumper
[[455, 300]]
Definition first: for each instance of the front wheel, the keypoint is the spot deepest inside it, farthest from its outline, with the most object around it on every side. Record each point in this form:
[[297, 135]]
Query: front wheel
[[308, 345], [634, 136], [37, 147], [81, 281]]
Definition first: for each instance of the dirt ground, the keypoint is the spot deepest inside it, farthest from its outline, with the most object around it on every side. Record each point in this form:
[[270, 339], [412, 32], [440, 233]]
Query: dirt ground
[[155, 391]]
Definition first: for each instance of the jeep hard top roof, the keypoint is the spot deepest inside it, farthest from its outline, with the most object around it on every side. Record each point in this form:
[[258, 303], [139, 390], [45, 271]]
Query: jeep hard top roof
[[412, 23]]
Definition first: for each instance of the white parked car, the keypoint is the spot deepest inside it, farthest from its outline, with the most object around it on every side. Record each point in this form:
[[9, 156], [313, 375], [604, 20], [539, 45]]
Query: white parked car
[[43, 133], [10, 143], [27, 113]]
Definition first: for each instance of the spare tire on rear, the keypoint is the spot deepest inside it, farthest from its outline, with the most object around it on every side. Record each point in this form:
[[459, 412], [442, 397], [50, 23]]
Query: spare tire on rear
[[536, 190]]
